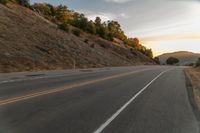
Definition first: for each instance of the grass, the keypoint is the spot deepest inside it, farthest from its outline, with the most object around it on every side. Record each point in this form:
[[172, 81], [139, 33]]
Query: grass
[[194, 75]]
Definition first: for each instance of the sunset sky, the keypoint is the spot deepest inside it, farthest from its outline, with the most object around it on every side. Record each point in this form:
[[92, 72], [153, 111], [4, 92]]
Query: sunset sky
[[163, 25]]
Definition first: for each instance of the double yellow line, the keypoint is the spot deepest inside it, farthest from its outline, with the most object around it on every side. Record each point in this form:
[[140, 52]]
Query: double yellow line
[[56, 90]]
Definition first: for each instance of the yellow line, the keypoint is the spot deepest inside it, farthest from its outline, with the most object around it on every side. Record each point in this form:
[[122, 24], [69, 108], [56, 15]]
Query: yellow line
[[37, 94]]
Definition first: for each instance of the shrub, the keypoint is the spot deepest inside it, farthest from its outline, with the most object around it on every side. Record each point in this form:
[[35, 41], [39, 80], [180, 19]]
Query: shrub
[[4, 1], [172, 61], [76, 32], [25, 3], [92, 45], [133, 51], [198, 63], [86, 40], [64, 26], [156, 59]]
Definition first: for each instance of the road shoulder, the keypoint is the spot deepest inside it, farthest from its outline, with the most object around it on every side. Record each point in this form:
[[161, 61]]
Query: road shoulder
[[192, 76]]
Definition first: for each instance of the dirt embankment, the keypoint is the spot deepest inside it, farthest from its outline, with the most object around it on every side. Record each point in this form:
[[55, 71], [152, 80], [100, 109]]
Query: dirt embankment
[[194, 75], [29, 42], [193, 85]]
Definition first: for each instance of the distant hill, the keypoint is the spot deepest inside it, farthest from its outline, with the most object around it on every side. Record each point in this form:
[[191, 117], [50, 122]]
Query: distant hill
[[30, 42], [185, 57]]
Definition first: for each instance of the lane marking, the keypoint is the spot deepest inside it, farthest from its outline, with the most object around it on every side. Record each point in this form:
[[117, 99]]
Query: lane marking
[[108, 121], [56, 90], [41, 77], [50, 76]]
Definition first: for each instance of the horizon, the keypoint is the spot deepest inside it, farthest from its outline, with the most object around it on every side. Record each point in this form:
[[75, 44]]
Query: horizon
[[167, 26]]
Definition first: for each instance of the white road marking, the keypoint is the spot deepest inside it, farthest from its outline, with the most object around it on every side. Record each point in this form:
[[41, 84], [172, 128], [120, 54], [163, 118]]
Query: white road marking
[[104, 125]]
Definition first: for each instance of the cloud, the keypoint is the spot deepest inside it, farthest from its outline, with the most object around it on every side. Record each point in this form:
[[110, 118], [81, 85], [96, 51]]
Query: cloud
[[105, 16], [125, 1], [118, 1]]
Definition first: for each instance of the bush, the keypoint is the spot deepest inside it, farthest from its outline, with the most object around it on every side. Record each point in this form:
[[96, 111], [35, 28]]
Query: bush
[[4, 1], [76, 32], [156, 59], [198, 63], [25, 3], [86, 40], [64, 26], [172, 61], [92, 45]]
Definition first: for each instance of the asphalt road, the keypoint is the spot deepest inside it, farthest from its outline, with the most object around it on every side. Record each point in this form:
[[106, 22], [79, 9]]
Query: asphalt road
[[138, 99]]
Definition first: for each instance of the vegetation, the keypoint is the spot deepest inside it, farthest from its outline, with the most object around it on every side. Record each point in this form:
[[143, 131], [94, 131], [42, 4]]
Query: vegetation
[[25, 3], [156, 59], [4, 1], [172, 61], [198, 63], [64, 26], [64, 17], [107, 30], [76, 32]]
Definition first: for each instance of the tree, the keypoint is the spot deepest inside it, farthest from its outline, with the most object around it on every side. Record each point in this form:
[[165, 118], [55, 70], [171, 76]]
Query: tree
[[25, 3], [149, 53], [98, 21], [172, 61], [101, 28], [134, 42], [91, 27], [63, 14], [80, 21], [42, 8], [115, 30]]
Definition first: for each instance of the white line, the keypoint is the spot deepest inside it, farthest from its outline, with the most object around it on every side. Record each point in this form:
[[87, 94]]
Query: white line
[[104, 125]]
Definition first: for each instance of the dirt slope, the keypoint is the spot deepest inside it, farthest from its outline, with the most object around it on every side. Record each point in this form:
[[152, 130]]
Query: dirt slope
[[30, 42]]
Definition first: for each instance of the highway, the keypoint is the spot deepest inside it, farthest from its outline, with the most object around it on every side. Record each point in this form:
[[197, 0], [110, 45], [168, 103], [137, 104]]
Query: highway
[[140, 99]]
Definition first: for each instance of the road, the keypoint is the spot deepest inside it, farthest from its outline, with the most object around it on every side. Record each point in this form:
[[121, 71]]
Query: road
[[142, 99]]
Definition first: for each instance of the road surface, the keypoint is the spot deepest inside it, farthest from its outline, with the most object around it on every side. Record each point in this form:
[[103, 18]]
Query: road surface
[[142, 99]]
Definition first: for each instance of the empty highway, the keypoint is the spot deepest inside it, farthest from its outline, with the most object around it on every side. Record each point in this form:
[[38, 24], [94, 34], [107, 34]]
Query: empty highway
[[141, 99]]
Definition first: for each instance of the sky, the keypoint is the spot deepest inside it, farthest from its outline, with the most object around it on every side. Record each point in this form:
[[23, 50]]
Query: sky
[[163, 25]]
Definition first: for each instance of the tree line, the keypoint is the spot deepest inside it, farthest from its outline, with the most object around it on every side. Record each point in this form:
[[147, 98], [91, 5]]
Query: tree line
[[64, 17]]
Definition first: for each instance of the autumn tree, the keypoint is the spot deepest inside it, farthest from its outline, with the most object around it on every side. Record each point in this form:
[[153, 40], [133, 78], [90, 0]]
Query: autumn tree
[[63, 14]]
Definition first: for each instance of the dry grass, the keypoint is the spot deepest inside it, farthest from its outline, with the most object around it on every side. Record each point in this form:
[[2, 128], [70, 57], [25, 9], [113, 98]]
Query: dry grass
[[30, 42], [194, 75]]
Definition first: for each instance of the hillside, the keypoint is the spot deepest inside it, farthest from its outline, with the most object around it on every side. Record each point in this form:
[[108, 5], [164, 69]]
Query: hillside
[[30, 42], [184, 57]]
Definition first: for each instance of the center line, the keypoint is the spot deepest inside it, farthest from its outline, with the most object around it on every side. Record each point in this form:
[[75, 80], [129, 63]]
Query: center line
[[104, 125], [61, 89]]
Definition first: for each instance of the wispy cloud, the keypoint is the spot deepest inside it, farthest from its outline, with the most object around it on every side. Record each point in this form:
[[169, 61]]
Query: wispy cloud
[[118, 1], [105, 16]]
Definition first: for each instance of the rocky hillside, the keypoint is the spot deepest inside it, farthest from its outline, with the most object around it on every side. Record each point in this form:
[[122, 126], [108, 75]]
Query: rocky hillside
[[30, 42], [184, 57]]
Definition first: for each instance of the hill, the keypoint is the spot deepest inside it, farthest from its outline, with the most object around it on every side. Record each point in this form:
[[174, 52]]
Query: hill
[[30, 42], [184, 57]]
